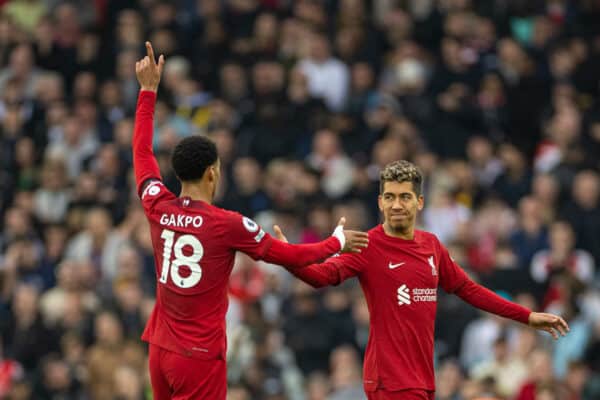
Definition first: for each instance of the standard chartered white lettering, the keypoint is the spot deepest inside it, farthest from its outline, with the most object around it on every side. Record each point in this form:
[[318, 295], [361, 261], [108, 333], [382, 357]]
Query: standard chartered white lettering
[[426, 291], [424, 298], [424, 294], [181, 220]]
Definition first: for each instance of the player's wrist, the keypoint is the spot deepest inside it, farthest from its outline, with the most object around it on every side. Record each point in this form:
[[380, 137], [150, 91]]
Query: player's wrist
[[338, 233]]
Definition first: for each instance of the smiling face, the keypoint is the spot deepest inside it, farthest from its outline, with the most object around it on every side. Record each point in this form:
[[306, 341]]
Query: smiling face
[[399, 204], [400, 197]]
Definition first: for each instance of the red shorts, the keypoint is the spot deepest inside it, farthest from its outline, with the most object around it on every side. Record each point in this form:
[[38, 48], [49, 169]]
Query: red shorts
[[176, 377], [409, 394]]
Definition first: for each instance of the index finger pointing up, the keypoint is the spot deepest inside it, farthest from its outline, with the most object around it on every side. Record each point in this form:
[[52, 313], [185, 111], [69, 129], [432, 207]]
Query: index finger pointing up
[[150, 52]]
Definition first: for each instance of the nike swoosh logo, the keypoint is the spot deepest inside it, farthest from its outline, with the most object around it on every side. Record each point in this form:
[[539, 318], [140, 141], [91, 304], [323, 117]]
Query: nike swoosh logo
[[392, 266]]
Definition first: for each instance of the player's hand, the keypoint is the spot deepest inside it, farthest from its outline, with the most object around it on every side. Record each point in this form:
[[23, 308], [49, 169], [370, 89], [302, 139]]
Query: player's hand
[[354, 241], [148, 72], [550, 323]]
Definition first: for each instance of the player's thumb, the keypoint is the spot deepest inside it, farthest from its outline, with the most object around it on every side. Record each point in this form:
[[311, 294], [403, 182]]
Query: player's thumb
[[342, 222], [279, 233]]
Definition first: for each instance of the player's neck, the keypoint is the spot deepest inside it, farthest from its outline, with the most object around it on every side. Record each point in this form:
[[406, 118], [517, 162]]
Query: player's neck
[[196, 192], [408, 234]]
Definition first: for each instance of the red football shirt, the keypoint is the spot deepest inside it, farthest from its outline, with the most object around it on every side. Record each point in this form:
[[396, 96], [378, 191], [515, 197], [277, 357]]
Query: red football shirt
[[194, 249], [400, 279]]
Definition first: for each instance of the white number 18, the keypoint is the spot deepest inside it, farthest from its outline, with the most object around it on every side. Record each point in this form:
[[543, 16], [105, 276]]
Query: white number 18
[[191, 261]]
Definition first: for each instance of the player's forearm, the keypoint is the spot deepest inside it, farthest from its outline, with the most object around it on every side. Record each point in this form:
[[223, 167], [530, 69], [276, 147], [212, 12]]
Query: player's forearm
[[294, 256], [484, 299], [144, 162]]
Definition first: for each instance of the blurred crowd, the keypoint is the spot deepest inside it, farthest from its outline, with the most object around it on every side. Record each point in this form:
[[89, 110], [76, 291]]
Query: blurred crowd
[[497, 101]]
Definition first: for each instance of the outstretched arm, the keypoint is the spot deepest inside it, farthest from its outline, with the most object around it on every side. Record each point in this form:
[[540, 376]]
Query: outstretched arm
[[482, 298], [331, 272], [148, 73], [454, 280], [243, 234], [297, 256], [328, 273]]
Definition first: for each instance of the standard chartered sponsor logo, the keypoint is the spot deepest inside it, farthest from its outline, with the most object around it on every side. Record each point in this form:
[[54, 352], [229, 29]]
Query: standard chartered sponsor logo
[[403, 295], [425, 294], [418, 295]]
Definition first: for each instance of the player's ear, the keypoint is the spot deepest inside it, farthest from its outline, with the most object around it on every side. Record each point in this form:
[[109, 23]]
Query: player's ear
[[212, 173], [380, 203], [420, 202]]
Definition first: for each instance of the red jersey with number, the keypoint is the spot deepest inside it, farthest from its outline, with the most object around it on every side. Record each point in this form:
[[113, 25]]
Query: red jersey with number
[[194, 248]]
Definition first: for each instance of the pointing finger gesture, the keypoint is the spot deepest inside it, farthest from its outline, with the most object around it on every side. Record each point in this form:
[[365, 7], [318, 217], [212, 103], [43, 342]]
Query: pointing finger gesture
[[148, 71]]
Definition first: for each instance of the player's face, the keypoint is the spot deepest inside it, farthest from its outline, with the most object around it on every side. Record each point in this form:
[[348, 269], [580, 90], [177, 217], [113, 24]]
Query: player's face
[[399, 205]]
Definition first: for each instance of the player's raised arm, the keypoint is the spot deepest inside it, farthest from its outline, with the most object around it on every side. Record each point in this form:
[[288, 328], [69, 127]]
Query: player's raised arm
[[148, 73]]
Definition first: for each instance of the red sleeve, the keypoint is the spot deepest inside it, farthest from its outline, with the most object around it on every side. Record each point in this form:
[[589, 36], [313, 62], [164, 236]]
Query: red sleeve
[[248, 237], [332, 272], [454, 280], [452, 275], [154, 193], [144, 162], [294, 256], [484, 299]]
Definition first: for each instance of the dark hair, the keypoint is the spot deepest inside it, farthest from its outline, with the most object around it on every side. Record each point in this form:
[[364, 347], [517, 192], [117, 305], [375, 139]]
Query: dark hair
[[402, 171], [192, 156]]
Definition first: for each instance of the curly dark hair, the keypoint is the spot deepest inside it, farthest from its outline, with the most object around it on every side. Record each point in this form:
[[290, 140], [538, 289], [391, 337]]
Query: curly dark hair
[[192, 156], [402, 171]]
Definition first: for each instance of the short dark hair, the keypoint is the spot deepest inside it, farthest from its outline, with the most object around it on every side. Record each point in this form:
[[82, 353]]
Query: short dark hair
[[402, 171], [192, 156]]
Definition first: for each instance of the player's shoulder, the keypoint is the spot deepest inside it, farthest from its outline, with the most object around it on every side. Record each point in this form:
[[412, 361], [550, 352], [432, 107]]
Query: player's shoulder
[[154, 188], [234, 218], [425, 234], [427, 238], [224, 215], [154, 192], [239, 227]]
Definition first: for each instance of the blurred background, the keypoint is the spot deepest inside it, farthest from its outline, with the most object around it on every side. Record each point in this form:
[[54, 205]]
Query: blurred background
[[495, 100]]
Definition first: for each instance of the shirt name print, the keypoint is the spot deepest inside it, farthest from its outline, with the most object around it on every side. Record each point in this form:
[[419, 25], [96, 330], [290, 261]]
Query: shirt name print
[[181, 221]]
